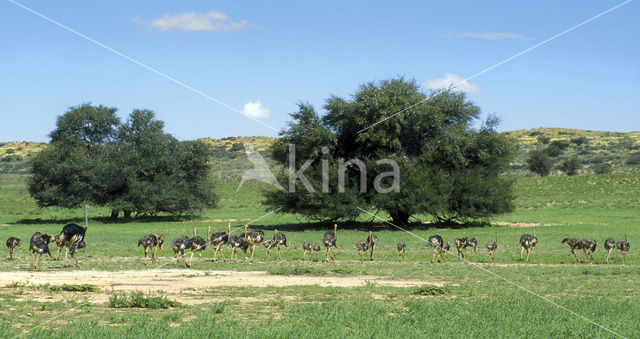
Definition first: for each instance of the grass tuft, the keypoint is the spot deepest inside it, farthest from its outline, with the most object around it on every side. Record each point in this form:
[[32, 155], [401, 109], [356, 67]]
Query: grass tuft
[[74, 288], [430, 290], [139, 300]]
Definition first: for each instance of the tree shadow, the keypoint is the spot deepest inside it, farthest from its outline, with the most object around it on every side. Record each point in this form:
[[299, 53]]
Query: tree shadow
[[368, 226]]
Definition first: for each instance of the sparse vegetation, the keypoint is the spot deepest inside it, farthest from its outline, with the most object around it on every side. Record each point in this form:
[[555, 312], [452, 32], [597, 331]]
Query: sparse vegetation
[[138, 299]]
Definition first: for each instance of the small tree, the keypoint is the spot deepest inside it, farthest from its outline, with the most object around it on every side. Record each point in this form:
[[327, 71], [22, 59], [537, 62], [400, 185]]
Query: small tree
[[539, 163], [601, 168], [570, 166]]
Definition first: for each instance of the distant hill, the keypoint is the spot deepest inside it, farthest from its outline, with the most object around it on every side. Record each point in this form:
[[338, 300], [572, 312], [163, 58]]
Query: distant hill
[[620, 150]]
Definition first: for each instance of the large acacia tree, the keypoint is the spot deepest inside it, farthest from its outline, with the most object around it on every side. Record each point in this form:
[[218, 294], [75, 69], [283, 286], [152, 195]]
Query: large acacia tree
[[133, 167], [449, 161]]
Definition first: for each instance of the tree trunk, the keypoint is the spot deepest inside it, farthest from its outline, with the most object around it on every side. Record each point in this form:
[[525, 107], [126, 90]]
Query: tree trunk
[[127, 214], [399, 218], [114, 214]]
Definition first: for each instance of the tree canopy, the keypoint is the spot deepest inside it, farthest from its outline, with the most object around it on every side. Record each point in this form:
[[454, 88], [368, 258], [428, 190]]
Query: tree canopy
[[134, 167], [447, 168]]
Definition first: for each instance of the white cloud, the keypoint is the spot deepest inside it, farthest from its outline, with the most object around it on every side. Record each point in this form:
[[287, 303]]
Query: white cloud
[[213, 21], [456, 82], [256, 110], [490, 35]]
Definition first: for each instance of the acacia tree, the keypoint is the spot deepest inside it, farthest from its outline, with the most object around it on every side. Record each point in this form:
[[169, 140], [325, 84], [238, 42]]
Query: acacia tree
[[448, 169], [134, 167]]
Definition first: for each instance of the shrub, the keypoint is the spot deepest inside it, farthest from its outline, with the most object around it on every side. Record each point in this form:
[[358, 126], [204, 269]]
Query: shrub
[[539, 163], [570, 166], [579, 140], [430, 290], [601, 168], [74, 288], [139, 300]]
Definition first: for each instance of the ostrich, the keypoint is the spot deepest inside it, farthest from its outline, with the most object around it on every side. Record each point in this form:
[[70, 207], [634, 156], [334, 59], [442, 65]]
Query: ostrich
[[218, 239], [237, 241], [307, 247], [402, 250], [253, 238], [574, 244], [362, 247], [39, 245], [330, 240], [471, 242], [316, 250], [444, 250], [151, 241], [492, 246], [588, 246], [436, 242], [12, 243], [269, 244], [178, 245], [198, 244], [280, 240], [609, 245], [623, 246], [373, 242], [460, 244], [528, 242], [71, 236]]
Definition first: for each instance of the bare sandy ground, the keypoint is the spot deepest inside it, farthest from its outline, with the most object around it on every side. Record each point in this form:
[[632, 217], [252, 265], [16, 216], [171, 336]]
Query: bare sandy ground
[[179, 282], [171, 280]]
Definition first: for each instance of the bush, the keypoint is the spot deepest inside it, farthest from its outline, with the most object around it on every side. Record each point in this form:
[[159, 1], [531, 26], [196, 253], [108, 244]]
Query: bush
[[633, 160], [579, 140], [139, 300], [601, 168], [570, 166], [539, 163], [74, 288], [430, 290], [543, 139]]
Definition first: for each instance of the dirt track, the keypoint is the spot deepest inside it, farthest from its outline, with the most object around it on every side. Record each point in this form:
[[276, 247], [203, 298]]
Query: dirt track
[[173, 280]]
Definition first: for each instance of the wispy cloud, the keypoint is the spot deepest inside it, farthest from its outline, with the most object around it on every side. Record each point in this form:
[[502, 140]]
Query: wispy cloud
[[453, 81], [489, 35], [256, 110], [212, 21]]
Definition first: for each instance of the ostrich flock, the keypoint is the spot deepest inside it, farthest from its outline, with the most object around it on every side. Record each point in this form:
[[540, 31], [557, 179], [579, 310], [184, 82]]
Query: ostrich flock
[[72, 238]]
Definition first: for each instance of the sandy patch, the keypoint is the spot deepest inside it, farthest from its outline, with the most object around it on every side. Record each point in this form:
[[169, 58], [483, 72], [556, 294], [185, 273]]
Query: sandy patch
[[177, 280]]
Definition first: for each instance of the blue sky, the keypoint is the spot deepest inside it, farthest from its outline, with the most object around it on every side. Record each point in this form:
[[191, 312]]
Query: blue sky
[[264, 57]]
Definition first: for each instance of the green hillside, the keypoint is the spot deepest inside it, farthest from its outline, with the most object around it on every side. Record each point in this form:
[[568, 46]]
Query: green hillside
[[620, 150]]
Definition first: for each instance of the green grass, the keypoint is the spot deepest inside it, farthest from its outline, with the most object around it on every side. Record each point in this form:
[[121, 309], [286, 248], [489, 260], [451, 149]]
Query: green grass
[[472, 303]]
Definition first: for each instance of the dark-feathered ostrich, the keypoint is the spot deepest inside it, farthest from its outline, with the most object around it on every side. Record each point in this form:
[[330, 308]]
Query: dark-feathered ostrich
[[588, 246], [528, 242], [71, 236], [436, 242], [38, 246], [492, 246], [151, 241], [609, 245], [330, 240], [624, 247], [253, 238], [372, 239], [237, 242], [307, 247], [280, 240], [217, 240], [178, 245], [362, 247], [12, 243], [402, 250], [198, 244]]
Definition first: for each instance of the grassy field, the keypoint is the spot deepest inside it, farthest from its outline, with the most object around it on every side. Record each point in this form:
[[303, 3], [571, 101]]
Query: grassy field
[[455, 299]]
